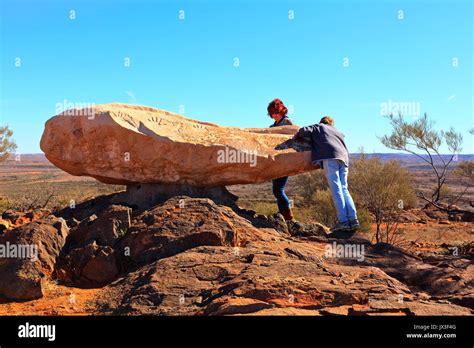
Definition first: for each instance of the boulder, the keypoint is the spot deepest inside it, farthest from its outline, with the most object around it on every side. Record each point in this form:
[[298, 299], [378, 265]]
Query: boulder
[[88, 258], [182, 223], [131, 144], [37, 245], [90, 266], [106, 229], [101, 247]]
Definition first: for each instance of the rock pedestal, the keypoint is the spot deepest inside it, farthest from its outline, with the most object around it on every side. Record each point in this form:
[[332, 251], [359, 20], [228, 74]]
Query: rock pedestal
[[145, 196]]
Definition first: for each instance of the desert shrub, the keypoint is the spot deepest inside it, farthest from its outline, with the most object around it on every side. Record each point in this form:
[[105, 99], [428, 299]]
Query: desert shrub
[[465, 172], [420, 136], [53, 195], [365, 219], [445, 192], [464, 175], [260, 207], [309, 184], [34, 197], [323, 207], [383, 189], [7, 144], [303, 212], [4, 205], [47, 176]]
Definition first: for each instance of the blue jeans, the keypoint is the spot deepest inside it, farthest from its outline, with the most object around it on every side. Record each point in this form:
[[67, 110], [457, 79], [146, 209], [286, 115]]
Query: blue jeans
[[279, 192], [336, 174]]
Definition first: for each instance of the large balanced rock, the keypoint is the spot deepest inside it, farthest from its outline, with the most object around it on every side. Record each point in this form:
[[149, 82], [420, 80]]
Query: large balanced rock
[[126, 144]]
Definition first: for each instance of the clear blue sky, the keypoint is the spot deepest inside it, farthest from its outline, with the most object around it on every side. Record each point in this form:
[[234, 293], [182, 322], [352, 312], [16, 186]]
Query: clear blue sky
[[405, 57]]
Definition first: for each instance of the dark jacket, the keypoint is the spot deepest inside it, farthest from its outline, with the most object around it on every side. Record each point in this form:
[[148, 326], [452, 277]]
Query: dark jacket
[[326, 143], [285, 121]]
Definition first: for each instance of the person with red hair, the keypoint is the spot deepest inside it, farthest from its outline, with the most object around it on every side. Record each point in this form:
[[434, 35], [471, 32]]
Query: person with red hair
[[278, 111]]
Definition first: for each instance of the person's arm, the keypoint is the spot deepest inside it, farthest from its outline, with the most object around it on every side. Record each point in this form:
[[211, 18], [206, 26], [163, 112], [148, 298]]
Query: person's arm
[[305, 133]]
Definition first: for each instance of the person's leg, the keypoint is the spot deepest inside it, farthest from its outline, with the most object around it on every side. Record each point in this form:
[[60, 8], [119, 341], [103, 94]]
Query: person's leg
[[350, 206], [331, 169], [282, 199]]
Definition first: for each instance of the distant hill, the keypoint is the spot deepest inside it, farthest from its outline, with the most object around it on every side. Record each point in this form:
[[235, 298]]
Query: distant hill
[[409, 160], [404, 158]]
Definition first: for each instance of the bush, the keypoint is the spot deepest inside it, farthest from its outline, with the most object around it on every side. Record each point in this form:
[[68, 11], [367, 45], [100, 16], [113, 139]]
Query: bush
[[384, 189], [4, 205], [311, 183], [365, 219], [323, 208], [7, 144], [261, 207], [52, 195]]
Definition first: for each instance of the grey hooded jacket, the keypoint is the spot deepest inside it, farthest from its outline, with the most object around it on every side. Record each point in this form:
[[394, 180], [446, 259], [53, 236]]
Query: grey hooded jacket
[[326, 143]]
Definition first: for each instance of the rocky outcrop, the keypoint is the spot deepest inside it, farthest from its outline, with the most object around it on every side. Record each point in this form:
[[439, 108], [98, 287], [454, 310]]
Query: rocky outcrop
[[89, 266], [88, 258], [112, 243], [28, 255], [112, 224], [191, 256], [181, 224], [130, 144], [265, 271], [11, 218], [216, 281]]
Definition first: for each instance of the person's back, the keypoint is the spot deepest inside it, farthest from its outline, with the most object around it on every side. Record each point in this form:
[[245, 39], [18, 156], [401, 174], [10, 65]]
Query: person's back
[[327, 142]]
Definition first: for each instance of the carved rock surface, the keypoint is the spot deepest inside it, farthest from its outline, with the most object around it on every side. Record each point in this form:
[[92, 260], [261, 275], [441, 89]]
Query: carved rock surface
[[127, 144]]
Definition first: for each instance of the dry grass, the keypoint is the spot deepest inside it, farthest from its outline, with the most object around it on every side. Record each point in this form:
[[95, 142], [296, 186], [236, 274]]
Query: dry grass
[[33, 183]]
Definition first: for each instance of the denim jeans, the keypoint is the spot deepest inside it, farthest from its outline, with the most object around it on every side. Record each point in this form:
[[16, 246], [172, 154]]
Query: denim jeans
[[336, 174], [279, 192]]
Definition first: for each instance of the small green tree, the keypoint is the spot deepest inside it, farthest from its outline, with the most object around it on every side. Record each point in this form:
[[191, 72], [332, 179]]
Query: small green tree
[[420, 136], [384, 189], [6, 142]]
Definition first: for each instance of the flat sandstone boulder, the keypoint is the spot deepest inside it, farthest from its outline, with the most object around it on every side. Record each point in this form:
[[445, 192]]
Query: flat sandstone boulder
[[129, 144]]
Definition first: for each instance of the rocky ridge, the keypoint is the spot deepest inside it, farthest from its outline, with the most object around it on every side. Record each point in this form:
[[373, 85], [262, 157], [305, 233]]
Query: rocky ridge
[[191, 256]]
